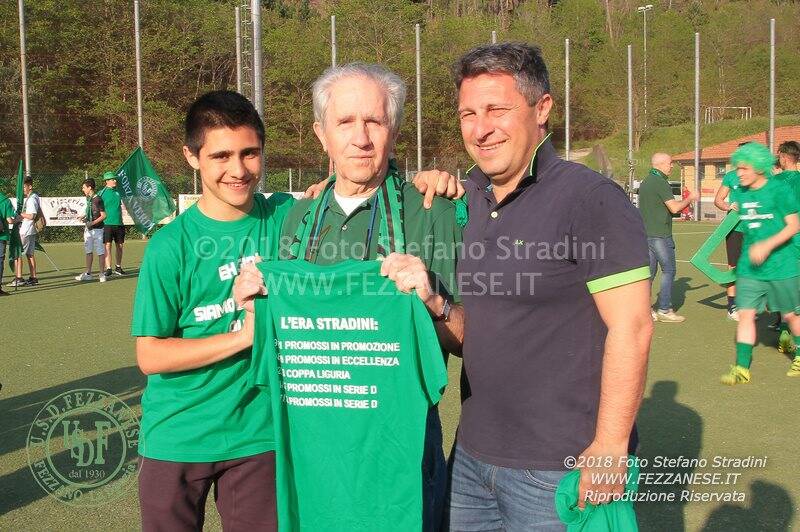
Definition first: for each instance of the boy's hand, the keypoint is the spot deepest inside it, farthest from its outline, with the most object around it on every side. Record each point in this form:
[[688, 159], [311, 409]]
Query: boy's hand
[[316, 189], [759, 252], [247, 285]]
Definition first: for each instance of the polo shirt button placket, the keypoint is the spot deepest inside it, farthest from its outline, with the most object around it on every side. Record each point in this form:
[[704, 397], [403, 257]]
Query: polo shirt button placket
[[494, 214], [344, 227]]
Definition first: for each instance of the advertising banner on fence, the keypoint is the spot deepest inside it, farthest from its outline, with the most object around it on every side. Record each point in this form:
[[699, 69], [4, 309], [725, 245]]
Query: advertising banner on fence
[[61, 211]]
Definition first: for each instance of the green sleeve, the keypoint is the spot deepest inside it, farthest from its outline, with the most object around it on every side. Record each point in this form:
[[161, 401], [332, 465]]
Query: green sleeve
[[432, 369], [787, 203], [443, 260], [664, 191], [156, 306], [729, 179], [263, 344]]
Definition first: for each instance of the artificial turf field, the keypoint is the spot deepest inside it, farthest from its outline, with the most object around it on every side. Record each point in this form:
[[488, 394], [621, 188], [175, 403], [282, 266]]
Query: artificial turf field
[[64, 335]]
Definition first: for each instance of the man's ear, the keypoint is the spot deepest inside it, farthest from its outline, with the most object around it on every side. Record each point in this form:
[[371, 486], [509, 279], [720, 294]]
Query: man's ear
[[319, 131], [191, 158], [543, 107]]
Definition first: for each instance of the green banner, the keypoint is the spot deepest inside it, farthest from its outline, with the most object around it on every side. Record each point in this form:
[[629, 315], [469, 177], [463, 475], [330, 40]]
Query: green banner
[[15, 243], [143, 193], [701, 259]]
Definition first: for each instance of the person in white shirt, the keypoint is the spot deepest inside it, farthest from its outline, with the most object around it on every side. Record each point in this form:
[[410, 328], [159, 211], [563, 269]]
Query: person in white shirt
[[27, 233], [93, 234]]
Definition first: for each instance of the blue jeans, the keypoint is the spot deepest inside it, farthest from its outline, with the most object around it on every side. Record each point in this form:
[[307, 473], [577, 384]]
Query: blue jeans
[[483, 497], [434, 474], [662, 253]]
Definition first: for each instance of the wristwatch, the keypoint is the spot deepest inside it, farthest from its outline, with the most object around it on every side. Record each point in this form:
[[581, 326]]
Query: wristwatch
[[445, 314]]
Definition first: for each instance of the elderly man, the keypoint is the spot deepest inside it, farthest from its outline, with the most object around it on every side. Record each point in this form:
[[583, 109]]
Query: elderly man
[[556, 350], [357, 110], [657, 205]]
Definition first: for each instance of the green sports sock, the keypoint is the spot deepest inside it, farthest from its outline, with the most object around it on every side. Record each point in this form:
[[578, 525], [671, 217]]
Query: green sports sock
[[796, 345], [744, 354]]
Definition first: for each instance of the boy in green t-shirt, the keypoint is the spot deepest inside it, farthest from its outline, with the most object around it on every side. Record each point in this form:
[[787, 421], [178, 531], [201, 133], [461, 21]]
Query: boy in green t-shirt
[[201, 421], [768, 272]]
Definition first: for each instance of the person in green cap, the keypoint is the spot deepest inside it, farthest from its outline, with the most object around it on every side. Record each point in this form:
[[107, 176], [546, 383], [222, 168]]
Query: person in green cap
[[768, 272], [114, 230]]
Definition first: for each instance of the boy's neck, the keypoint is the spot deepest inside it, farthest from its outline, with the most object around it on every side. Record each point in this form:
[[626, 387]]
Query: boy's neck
[[223, 212], [758, 183]]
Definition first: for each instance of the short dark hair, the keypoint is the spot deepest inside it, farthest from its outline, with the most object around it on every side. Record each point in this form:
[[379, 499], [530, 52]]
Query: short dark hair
[[790, 148], [90, 183], [217, 109], [522, 61], [28, 181]]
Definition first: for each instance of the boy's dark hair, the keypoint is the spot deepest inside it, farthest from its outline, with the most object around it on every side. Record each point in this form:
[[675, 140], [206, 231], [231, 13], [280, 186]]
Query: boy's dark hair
[[90, 183], [790, 148], [28, 181], [217, 109]]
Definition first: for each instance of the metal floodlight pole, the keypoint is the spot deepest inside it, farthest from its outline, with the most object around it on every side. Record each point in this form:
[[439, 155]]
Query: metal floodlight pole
[[630, 120], [419, 102], [772, 85], [258, 91], [643, 10], [333, 40], [566, 99], [26, 133], [238, 49], [494, 37], [138, 72], [697, 171]]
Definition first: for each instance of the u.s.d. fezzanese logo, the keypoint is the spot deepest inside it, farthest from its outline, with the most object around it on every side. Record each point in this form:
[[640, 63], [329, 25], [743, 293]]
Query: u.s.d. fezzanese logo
[[147, 187], [82, 447]]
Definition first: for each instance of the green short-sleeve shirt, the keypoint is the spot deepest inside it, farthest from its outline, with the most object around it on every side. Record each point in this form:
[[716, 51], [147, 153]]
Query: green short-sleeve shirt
[[762, 212], [184, 291], [112, 202], [731, 180], [653, 192], [430, 234], [6, 212]]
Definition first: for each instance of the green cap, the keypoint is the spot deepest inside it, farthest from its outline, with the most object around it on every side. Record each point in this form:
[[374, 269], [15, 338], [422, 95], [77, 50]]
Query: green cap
[[109, 175]]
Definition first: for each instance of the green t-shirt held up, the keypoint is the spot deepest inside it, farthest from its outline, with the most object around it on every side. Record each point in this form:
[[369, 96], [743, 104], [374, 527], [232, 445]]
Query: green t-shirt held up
[[184, 291], [653, 192], [762, 212], [112, 202], [352, 366]]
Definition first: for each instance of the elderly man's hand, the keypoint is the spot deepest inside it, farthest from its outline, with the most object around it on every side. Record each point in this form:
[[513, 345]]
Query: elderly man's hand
[[603, 469], [247, 285], [437, 183], [315, 190], [409, 273]]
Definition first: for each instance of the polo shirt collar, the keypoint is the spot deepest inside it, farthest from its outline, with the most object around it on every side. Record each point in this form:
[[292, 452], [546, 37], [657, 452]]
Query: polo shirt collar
[[659, 173], [543, 157]]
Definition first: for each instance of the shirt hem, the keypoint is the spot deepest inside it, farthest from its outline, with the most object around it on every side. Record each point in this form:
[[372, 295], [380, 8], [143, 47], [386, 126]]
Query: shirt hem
[[513, 463], [171, 456]]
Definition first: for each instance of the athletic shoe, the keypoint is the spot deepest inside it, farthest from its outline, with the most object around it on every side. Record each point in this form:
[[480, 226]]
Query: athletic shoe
[[669, 316], [119, 271], [32, 281], [18, 281], [654, 315], [84, 277], [733, 314], [107, 272], [794, 369], [737, 375], [102, 277], [786, 343], [3, 293]]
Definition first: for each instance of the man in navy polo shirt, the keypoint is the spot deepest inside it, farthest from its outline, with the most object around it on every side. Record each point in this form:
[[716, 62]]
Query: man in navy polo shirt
[[555, 287]]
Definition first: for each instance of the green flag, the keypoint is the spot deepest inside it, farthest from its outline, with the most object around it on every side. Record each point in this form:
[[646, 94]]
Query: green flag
[[15, 243], [143, 193]]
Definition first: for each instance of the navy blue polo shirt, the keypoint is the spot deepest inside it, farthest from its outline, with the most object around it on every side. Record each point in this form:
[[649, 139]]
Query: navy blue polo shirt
[[534, 340]]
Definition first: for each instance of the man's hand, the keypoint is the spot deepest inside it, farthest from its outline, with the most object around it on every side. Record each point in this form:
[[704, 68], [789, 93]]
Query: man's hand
[[759, 252], [693, 195], [315, 190], [247, 285], [437, 183], [409, 273], [603, 474]]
